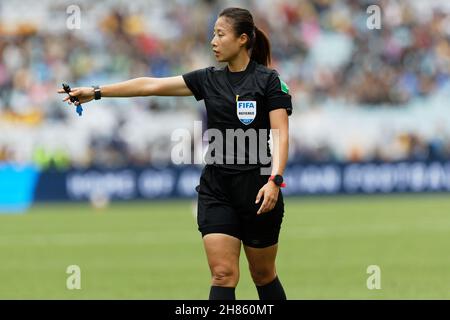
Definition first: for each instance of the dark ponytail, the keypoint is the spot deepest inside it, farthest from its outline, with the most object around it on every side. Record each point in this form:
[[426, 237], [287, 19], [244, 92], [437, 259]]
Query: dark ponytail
[[259, 44], [261, 48]]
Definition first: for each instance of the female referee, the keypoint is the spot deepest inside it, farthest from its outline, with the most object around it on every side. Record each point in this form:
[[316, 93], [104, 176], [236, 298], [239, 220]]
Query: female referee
[[236, 203]]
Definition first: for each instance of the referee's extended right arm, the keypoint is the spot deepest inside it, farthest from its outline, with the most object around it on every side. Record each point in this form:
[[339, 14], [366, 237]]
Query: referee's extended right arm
[[138, 87]]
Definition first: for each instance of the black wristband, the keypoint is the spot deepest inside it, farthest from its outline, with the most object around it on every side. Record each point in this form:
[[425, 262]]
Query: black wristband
[[97, 93]]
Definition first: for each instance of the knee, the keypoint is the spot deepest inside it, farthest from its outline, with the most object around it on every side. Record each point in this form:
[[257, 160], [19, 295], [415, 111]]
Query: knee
[[262, 275], [225, 276]]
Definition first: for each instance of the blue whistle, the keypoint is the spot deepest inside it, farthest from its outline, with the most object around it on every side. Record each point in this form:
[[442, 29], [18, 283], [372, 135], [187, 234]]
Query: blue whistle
[[79, 109]]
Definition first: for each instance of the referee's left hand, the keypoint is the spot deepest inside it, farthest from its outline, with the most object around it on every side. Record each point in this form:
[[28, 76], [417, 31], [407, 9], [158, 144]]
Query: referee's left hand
[[270, 194]]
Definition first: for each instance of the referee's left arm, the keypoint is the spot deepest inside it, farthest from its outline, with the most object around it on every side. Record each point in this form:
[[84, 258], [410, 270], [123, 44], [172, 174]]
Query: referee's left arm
[[279, 125]]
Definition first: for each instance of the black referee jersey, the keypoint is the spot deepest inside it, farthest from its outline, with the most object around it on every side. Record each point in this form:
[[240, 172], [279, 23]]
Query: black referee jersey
[[239, 100]]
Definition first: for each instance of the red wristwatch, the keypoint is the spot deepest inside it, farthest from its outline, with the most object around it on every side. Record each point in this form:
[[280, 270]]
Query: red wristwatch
[[278, 180]]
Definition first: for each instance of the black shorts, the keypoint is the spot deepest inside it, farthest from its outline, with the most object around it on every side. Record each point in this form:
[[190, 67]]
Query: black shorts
[[226, 204]]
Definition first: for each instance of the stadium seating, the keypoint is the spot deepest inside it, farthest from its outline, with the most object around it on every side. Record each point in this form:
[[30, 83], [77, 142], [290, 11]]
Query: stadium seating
[[358, 94]]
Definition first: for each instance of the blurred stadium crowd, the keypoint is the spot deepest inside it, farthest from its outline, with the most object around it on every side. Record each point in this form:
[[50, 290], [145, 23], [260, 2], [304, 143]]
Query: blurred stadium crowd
[[358, 94]]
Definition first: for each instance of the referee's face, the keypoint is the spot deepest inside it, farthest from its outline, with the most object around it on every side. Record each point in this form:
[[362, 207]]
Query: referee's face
[[225, 44]]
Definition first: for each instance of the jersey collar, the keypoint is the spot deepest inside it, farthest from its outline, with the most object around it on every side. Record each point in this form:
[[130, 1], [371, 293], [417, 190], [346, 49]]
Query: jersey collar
[[236, 89]]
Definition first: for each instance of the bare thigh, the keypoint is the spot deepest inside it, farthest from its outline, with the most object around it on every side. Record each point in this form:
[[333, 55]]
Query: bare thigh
[[222, 252], [261, 262]]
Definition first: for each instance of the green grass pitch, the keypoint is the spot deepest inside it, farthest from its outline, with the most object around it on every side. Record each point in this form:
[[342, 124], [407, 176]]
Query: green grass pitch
[[152, 250]]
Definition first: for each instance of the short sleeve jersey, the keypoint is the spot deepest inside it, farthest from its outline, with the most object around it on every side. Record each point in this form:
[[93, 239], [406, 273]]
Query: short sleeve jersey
[[238, 112]]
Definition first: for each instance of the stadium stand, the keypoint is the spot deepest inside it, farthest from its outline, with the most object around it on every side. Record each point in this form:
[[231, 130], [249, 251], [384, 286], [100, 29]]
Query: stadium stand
[[358, 94]]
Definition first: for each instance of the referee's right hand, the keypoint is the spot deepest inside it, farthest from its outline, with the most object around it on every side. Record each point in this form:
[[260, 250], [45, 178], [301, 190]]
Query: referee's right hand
[[84, 94]]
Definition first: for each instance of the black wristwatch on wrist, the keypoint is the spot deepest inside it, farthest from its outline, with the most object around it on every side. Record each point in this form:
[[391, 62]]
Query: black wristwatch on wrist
[[278, 180], [97, 93]]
